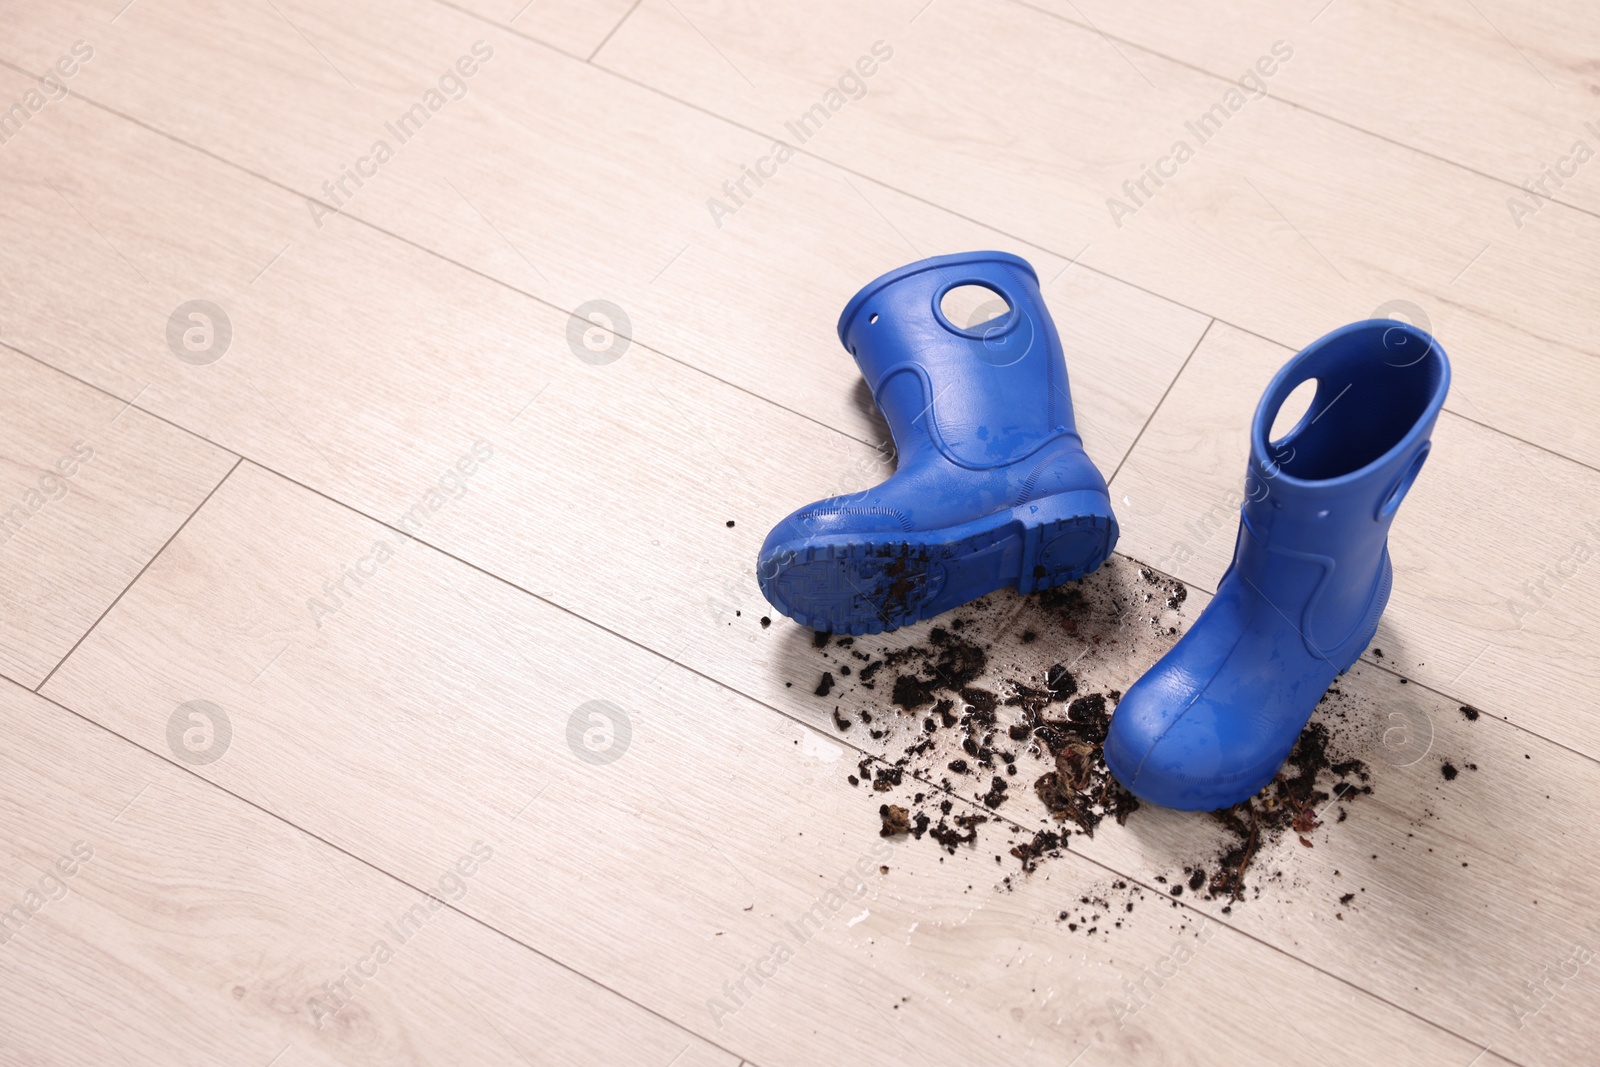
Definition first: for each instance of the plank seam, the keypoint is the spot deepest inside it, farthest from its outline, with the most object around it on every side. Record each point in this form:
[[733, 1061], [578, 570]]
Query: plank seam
[[238, 459]]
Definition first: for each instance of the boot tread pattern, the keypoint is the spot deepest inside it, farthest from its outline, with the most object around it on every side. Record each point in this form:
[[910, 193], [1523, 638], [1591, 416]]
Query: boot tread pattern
[[868, 586]]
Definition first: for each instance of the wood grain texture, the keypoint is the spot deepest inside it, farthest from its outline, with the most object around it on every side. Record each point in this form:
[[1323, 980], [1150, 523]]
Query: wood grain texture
[[440, 698], [1477, 876], [1489, 609], [194, 928], [571, 185], [1529, 70], [340, 377], [90, 489], [577, 27], [418, 383], [412, 358], [292, 42], [1284, 223]]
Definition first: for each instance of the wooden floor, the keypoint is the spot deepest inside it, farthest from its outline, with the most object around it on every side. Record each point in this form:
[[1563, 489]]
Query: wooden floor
[[310, 599]]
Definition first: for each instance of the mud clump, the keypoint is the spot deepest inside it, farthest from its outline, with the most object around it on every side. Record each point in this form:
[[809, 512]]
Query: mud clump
[[965, 831], [1080, 789], [911, 692], [1059, 683], [1045, 842], [947, 664]]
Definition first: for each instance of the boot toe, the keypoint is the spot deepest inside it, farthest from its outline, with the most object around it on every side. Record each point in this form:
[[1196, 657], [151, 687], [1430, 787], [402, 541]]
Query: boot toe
[[1157, 750], [1194, 747], [1186, 765]]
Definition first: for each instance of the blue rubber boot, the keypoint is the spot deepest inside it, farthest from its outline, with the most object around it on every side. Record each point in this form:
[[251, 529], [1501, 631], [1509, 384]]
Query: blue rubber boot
[[1212, 722], [992, 488]]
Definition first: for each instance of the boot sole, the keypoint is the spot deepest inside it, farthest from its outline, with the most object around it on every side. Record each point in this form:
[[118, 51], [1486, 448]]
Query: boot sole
[[865, 585]]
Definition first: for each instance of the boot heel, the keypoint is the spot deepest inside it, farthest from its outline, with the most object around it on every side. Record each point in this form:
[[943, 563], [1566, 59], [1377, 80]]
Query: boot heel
[[1064, 538]]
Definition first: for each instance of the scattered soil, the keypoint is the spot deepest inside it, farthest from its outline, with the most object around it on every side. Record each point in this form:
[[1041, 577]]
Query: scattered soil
[[1007, 755], [1292, 802]]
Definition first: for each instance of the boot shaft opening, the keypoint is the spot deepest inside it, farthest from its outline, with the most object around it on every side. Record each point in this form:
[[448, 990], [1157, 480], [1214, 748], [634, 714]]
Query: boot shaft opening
[[1376, 382]]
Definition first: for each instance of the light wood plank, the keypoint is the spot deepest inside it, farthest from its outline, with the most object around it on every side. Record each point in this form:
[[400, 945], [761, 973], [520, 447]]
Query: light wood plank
[[571, 185], [1284, 223], [1528, 69], [519, 515], [418, 389], [577, 27], [90, 490], [318, 427], [195, 928], [442, 700], [1480, 876], [583, 502], [1494, 550], [294, 41], [1430, 252], [332, 325]]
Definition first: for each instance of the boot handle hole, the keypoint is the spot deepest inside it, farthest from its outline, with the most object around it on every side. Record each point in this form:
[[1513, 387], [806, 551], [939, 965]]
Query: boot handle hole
[[1292, 415], [1391, 503], [974, 309]]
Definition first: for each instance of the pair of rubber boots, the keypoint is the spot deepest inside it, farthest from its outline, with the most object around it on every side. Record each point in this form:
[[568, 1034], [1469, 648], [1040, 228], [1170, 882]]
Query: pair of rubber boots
[[993, 489]]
